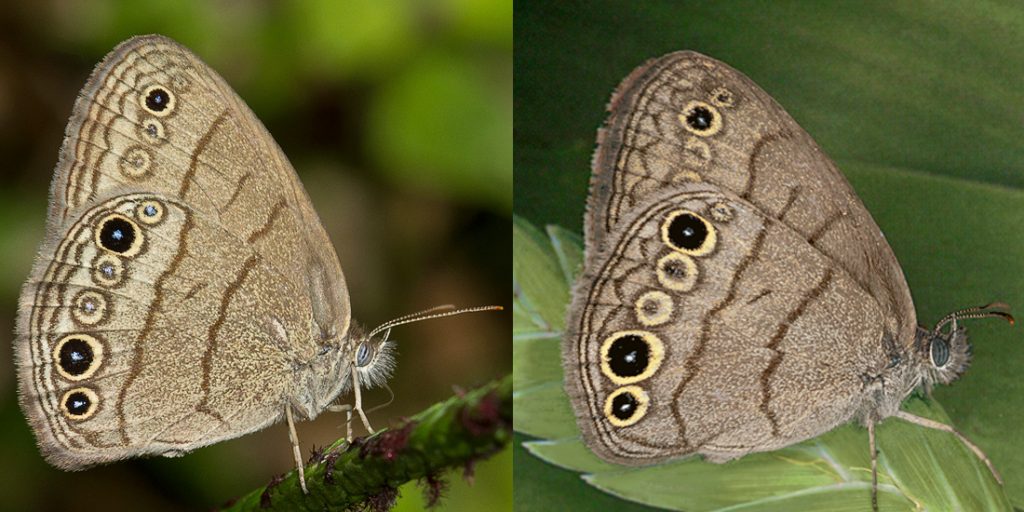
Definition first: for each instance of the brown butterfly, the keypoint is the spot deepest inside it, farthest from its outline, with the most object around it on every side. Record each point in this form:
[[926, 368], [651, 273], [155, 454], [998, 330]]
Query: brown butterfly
[[736, 295]]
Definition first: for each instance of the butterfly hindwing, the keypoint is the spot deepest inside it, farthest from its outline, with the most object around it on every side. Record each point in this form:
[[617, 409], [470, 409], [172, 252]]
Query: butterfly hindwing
[[706, 326]]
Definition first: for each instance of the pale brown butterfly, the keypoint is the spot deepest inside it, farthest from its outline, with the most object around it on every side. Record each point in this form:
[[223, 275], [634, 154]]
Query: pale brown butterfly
[[736, 296], [185, 291]]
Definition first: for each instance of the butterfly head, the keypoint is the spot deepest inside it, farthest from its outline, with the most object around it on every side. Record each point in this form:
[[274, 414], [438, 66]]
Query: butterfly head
[[944, 351], [374, 358]]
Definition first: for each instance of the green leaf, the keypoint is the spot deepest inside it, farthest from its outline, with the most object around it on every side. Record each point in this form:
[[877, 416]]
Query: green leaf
[[570, 454], [540, 289], [538, 362], [544, 411], [569, 250], [832, 472]]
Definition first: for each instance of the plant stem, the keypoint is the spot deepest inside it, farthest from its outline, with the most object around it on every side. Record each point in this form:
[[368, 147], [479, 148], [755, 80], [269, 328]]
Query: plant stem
[[457, 432]]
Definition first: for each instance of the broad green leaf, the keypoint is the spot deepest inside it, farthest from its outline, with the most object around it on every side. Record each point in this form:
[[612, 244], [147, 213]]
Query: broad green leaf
[[537, 362], [917, 466], [569, 453], [538, 286]]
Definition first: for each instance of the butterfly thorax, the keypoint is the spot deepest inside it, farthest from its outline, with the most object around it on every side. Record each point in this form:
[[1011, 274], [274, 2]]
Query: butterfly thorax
[[325, 377]]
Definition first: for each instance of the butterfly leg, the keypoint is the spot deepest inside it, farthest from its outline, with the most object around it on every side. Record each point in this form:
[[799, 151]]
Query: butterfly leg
[[874, 466], [295, 448], [347, 409], [925, 422], [359, 401]]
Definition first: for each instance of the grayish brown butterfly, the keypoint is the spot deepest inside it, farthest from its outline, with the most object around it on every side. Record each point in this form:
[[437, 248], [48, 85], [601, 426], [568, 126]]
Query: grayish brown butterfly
[[736, 295], [185, 291]]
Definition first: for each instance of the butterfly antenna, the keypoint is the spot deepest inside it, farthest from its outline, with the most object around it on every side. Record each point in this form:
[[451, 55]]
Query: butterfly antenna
[[985, 311], [385, 404], [430, 314], [435, 309]]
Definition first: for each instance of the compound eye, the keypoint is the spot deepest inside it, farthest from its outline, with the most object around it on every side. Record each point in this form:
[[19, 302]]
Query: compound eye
[[363, 354], [939, 351]]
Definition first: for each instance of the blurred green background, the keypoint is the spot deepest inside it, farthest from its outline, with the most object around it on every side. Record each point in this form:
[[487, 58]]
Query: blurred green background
[[397, 116], [920, 105]]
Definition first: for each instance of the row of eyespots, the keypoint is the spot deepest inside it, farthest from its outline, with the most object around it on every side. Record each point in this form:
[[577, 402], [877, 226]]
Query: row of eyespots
[[79, 356], [631, 356], [628, 357], [689, 235], [160, 102]]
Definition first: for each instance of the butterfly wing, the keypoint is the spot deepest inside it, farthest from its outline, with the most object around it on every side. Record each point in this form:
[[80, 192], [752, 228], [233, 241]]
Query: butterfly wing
[[686, 117], [184, 278], [705, 325]]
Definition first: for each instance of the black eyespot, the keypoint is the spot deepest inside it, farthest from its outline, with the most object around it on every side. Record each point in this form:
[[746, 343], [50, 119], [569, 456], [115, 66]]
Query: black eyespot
[[700, 118], [629, 355], [363, 355], [624, 405], [687, 231], [157, 100], [77, 403], [75, 356], [939, 352], [117, 234]]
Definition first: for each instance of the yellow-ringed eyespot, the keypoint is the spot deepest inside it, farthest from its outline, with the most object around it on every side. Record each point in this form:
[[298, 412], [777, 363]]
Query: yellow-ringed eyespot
[[150, 212], [79, 403], [631, 356], [653, 308], [152, 131], [78, 356], [722, 97], [688, 233], [721, 212], [107, 270], [158, 100], [136, 162], [700, 118], [119, 234], [89, 307], [626, 406], [677, 272]]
